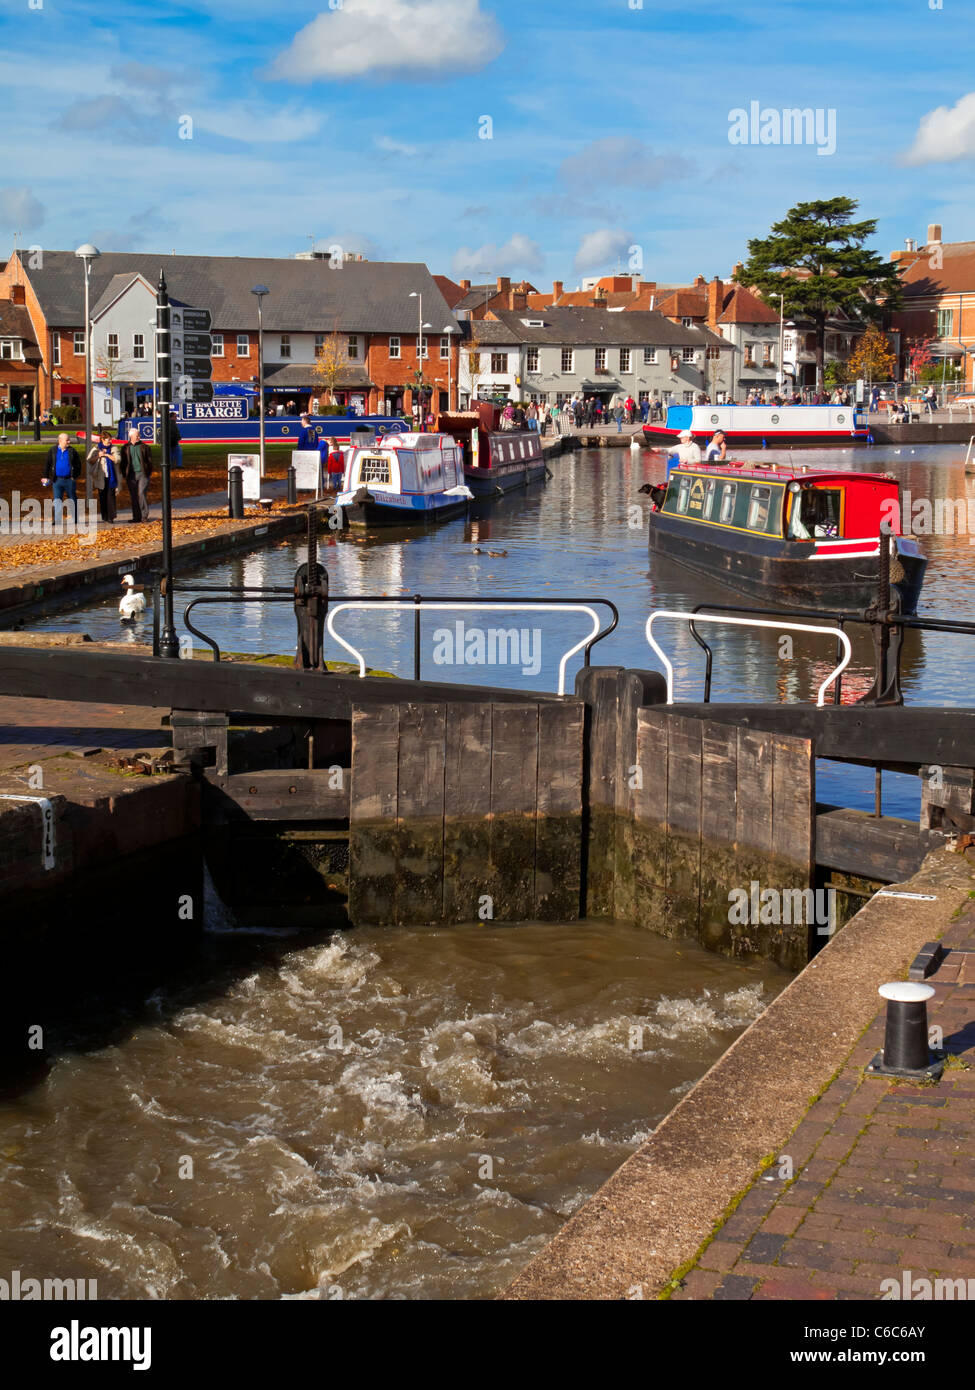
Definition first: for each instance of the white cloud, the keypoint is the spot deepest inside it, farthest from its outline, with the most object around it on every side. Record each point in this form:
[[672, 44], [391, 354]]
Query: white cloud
[[599, 249], [20, 210], [947, 132], [518, 253], [623, 160], [389, 146], [258, 126], [397, 37]]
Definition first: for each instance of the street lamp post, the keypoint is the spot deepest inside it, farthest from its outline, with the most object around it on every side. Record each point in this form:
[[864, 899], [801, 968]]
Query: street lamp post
[[781, 371], [260, 291], [168, 640], [155, 386], [87, 254], [450, 330]]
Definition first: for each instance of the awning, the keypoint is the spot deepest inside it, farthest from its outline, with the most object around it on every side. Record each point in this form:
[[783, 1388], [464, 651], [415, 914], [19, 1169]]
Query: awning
[[294, 377], [947, 349]]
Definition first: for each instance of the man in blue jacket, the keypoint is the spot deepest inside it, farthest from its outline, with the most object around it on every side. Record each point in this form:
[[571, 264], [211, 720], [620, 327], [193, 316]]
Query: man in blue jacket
[[62, 468], [308, 434]]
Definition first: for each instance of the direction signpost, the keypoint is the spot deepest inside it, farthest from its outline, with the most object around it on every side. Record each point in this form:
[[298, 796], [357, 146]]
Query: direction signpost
[[191, 347]]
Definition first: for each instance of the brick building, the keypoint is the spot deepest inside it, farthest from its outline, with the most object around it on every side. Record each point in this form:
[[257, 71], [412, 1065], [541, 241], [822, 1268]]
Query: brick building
[[938, 280], [364, 313]]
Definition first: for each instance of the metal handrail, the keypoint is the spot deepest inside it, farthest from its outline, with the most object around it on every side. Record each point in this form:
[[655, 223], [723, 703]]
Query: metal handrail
[[507, 606], [285, 594], [692, 618]]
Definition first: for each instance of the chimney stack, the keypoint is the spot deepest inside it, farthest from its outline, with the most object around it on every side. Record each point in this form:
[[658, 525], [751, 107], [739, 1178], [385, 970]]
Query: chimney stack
[[557, 289], [504, 284], [465, 285], [934, 234], [699, 282], [715, 303]]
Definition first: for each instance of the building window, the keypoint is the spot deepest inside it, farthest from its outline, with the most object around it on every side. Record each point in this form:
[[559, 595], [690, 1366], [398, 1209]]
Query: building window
[[687, 398], [685, 322], [687, 354], [55, 348], [649, 357], [600, 359], [394, 348], [353, 347], [243, 345], [532, 360], [445, 347], [216, 344], [567, 359], [499, 363], [768, 357], [624, 359], [643, 396], [138, 347], [78, 346], [285, 344], [749, 354], [946, 323], [425, 348], [713, 354], [113, 347]]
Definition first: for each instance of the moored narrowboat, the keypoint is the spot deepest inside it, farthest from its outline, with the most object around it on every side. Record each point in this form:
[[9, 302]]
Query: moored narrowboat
[[761, 426], [406, 480], [790, 536], [497, 461]]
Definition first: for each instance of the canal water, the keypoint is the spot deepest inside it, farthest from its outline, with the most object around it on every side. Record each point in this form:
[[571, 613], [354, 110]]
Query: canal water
[[584, 535], [399, 1113]]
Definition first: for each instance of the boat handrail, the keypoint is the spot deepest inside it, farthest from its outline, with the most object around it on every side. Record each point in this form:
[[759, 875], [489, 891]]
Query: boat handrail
[[418, 604], [692, 619]]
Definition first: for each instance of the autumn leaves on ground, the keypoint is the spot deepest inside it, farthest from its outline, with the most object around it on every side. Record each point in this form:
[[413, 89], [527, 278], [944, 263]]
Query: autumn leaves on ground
[[204, 472]]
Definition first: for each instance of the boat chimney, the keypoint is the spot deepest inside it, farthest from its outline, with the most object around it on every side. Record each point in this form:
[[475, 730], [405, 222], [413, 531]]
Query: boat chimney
[[934, 234]]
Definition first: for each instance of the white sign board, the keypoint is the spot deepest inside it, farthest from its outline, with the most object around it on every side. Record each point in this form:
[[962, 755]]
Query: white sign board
[[250, 467], [307, 464]]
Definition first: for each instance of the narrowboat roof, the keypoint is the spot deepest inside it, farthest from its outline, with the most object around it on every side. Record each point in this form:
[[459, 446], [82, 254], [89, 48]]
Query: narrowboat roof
[[412, 441], [781, 472]]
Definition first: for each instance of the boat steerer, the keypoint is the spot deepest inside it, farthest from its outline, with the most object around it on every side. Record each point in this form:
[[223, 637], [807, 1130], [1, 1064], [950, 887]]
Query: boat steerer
[[168, 641]]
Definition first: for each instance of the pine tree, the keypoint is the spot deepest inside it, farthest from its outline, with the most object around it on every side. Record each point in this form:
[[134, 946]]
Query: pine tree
[[839, 274]]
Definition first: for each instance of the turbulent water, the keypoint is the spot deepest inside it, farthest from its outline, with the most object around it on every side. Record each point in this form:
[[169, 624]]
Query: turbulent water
[[378, 1114]]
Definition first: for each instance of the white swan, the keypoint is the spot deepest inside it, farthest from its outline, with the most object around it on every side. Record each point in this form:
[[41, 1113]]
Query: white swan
[[131, 604]]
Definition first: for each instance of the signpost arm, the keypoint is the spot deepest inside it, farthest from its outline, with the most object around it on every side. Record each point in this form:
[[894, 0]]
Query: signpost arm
[[168, 642]]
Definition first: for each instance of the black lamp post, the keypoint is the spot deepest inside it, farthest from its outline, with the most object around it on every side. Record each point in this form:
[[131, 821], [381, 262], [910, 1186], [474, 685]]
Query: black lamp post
[[260, 291], [87, 254], [168, 641]]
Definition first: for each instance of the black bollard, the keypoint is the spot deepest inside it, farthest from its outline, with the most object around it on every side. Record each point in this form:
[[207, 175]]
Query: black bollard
[[37, 429], [235, 493], [906, 1051], [292, 486]]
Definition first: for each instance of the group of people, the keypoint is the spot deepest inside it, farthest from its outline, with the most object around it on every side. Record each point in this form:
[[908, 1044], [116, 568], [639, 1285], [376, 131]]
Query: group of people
[[108, 463], [331, 456]]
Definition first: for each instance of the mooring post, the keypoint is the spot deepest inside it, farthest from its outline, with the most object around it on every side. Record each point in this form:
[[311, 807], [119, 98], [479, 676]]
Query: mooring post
[[311, 603], [906, 1051], [292, 486], [417, 600], [235, 493]]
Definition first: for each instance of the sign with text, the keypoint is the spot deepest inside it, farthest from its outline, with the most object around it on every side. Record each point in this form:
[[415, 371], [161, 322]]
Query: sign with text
[[185, 388], [223, 408], [200, 368], [250, 468], [307, 464], [189, 320]]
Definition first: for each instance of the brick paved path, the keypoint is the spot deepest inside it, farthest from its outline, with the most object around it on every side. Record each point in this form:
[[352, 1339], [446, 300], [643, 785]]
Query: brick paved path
[[883, 1175], [32, 730]]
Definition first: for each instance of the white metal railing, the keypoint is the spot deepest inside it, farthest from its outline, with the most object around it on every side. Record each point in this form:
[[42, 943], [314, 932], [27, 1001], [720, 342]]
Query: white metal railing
[[409, 604], [747, 622]]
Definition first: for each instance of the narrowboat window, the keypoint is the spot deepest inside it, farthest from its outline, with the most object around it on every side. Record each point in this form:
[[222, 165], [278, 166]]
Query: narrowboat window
[[683, 494], [816, 514], [709, 498], [758, 508], [728, 502], [374, 468]]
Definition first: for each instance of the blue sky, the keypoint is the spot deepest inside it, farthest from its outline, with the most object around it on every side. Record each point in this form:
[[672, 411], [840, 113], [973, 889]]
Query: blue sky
[[357, 122]]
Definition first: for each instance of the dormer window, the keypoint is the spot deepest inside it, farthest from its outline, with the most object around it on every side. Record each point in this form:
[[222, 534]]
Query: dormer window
[[534, 323]]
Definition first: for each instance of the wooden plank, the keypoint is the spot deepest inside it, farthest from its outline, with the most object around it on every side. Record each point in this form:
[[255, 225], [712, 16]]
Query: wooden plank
[[652, 904], [467, 811], [635, 689], [794, 802], [684, 769], [514, 765], [719, 828], [754, 809], [420, 810], [290, 795], [886, 849], [558, 824], [372, 816], [597, 687]]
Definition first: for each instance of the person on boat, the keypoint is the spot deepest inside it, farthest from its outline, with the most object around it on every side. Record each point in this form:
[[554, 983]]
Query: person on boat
[[718, 447], [687, 451], [334, 465]]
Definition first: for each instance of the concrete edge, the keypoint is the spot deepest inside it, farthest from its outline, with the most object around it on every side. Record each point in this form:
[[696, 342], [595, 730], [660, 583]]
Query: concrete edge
[[665, 1202]]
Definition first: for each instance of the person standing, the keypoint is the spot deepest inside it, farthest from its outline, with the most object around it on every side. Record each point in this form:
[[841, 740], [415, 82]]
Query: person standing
[[108, 460], [335, 467], [62, 470], [618, 417], [307, 435], [630, 409], [137, 470]]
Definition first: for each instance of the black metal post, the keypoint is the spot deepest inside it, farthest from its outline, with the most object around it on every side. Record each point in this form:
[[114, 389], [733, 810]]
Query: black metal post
[[292, 487], [235, 493], [156, 606], [906, 1051], [417, 600], [168, 642]]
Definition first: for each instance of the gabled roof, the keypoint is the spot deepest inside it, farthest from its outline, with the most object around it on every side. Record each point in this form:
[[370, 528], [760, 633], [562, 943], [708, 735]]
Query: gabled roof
[[451, 291], [956, 273], [685, 303], [359, 296], [743, 306], [585, 326], [15, 323], [115, 288]]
